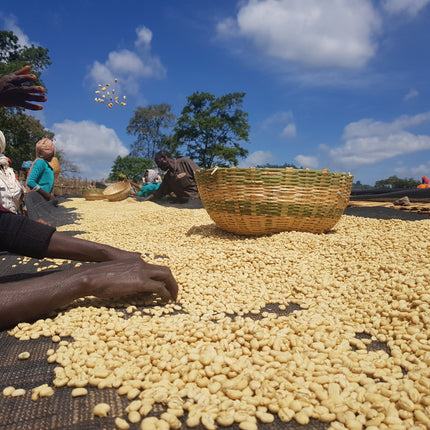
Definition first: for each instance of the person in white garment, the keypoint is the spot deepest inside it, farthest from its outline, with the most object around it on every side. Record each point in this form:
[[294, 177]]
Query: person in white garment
[[11, 191]]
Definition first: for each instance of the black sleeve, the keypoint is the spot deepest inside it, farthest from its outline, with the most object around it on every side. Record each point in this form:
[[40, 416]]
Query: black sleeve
[[21, 235]]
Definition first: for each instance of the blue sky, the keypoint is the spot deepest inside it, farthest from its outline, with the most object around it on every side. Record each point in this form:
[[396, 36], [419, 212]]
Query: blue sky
[[340, 84]]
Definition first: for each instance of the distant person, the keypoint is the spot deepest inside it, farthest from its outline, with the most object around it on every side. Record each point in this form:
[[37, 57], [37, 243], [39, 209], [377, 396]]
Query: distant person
[[178, 178], [118, 274], [424, 182], [26, 166], [41, 175], [151, 183], [11, 191]]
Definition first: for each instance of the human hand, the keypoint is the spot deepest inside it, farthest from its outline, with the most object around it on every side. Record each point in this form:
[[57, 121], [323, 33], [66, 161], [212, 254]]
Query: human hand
[[121, 278], [14, 94]]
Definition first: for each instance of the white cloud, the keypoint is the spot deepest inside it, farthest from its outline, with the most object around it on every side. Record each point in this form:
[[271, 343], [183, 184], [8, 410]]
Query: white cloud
[[411, 94], [128, 66], [306, 161], [277, 118], [258, 158], [144, 37], [412, 7], [289, 131], [284, 120], [368, 141], [413, 172], [307, 31], [9, 24], [92, 147]]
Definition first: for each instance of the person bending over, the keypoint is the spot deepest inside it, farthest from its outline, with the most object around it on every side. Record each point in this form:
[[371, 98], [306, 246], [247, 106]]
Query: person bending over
[[118, 273], [178, 178], [151, 183]]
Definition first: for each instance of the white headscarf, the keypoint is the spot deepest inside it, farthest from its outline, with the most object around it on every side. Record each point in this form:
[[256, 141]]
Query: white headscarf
[[153, 177], [10, 189], [3, 159], [2, 142]]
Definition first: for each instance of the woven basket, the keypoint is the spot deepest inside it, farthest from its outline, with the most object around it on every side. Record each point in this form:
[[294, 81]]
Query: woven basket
[[55, 164], [118, 191], [263, 201], [93, 194]]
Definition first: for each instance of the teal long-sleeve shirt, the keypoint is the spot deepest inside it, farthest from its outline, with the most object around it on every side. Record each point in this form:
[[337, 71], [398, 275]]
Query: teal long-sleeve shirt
[[41, 176], [148, 189]]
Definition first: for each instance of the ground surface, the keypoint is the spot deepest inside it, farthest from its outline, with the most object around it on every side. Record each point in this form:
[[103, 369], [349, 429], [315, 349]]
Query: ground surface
[[335, 324]]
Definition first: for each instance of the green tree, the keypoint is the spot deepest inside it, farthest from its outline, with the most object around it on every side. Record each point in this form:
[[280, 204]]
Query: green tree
[[22, 132], [279, 166], [393, 182], [211, 128], [13, 56], [132, 168], [150, 126], [359, 186]]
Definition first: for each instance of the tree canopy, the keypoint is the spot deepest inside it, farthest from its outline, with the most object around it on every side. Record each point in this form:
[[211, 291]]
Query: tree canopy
[[150, 126], [13, 56], [22, 132], [279, 166], [132, 168], [211, 128], [394, 182]]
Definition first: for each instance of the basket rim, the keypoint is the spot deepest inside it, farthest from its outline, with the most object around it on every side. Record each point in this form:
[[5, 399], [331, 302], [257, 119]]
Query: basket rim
[[276, 169], [117, 187]]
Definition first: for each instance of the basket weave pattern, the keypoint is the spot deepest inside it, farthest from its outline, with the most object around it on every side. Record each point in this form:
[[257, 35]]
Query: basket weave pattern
[[263, 201], [93, 194], [118, 191]]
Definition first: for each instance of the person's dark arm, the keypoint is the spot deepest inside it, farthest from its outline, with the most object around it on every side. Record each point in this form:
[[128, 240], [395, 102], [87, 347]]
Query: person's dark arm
[[36, 297], [150, 197], [135, 188], [68, 247], [46, 195], [13, 94]]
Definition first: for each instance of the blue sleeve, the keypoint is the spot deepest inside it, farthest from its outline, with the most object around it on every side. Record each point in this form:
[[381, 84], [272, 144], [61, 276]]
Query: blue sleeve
[[35, 175]]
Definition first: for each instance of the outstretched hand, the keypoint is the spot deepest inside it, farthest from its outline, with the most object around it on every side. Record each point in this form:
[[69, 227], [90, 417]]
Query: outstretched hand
[[29, 299], [14, 94], [121, 278]]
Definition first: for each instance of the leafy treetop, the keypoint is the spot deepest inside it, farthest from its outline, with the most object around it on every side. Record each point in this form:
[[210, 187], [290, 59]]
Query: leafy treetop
[[132, 168], [150, 126], [211, 128]]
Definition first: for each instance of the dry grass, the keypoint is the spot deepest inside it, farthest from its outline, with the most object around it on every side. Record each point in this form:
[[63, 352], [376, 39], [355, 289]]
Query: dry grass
[[69, 186]]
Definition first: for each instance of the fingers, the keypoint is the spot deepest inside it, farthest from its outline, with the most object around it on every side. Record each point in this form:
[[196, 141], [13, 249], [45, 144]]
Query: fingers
[[31, 106], [20, 79], [29, 96], [163, 274], [158, 288], [24, 71], [172, 287]]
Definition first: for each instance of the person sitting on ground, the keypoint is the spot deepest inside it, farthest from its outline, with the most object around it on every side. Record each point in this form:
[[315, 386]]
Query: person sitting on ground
[[11, 191], [118, 273], [178, 179], [41, 175], [424, 182], [151, 183]]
